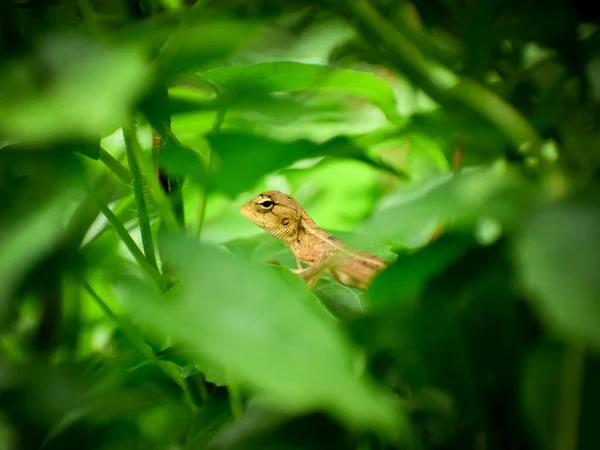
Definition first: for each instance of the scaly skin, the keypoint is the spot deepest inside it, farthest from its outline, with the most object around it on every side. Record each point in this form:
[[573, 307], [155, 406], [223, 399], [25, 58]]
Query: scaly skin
[[283, 217]]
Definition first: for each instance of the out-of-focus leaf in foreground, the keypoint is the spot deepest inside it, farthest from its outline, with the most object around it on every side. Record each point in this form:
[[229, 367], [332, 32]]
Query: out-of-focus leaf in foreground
[[281, 346], [559, 255], [191, 47], [288, 76], [341, 300], [26, 241], [71, 87]]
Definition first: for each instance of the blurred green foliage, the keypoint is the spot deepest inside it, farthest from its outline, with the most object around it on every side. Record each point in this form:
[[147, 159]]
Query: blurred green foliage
[[458, 140]]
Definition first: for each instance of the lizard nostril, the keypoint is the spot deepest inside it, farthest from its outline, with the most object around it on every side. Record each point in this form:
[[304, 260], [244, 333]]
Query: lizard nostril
[[285, 221]]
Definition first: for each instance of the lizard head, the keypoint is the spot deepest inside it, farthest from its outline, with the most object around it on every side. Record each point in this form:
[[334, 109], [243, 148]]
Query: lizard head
[[275, 212]]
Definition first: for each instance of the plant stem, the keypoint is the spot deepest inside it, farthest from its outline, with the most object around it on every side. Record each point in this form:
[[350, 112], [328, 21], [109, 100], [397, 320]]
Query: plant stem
[[133, 151], [152, 271], [115, 166], [146, 173]]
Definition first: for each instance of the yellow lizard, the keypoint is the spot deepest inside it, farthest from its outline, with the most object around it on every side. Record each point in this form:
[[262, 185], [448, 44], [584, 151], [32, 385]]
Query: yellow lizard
[[283, 217]]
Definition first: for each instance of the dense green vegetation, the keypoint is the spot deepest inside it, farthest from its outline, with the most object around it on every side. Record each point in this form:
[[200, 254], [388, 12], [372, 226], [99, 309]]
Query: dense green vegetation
[[459, 140]]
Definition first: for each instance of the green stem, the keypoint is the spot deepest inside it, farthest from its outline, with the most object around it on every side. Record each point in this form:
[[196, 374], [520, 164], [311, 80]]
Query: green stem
[[152, 271], [115, 166], [133, 152], [104, 187], [122, 211], [146, 173], [440, 83], [573, 368]]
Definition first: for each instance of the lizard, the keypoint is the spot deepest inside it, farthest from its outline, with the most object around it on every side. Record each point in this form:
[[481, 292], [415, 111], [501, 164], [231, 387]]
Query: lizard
[[284, 218]]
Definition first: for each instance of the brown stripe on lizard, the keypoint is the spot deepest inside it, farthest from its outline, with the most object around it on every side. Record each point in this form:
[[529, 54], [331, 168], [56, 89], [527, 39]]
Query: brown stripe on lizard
[[283, 217]]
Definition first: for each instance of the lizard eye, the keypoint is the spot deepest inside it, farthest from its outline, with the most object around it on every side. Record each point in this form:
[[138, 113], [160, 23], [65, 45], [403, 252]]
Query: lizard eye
[[265, 205]]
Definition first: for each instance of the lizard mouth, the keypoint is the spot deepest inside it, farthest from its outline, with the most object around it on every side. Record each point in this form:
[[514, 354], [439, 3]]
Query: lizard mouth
[[245, 210], [248, 212]]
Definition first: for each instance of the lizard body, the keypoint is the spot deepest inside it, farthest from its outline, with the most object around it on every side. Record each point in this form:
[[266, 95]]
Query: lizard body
[[284, 218]]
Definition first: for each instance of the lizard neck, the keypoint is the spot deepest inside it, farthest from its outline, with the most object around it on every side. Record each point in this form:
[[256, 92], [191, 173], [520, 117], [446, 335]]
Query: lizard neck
[[312, 243]]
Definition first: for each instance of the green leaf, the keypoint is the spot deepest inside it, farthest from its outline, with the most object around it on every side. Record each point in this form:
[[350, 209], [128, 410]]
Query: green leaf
[[191, 47], [181, 162], [465, 333], [279, 346], [244, 158], [24, 242], [558, 252], [156, 107], [183, 356], [287, 76], [409, 216], [188, 40], [341, 300], [85, 146], [358, 240], [262, 248], [479, 141], [89, 91]]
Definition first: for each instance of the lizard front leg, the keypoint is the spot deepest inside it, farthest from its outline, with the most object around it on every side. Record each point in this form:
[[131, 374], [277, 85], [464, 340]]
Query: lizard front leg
[[312, 274]]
